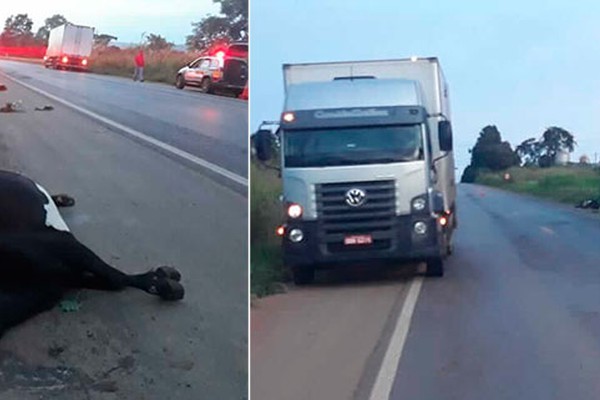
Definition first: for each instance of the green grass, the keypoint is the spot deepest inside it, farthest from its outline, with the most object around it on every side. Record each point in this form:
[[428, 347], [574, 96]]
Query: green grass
[[569, 184], [266, 267]]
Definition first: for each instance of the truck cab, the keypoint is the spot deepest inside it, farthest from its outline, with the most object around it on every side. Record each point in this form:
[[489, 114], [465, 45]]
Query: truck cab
[[367, 165]]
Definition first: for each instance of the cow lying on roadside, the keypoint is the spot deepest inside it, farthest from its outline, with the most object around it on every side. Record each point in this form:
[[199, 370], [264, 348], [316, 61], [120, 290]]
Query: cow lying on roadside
[[40, 259]]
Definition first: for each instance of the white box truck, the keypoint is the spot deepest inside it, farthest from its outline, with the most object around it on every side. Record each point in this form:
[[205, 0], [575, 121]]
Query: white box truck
[[69, 47], [367, 164]]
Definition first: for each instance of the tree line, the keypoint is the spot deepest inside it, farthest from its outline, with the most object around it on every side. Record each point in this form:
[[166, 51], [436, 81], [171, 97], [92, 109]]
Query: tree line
[[230, 26], [492, 153]]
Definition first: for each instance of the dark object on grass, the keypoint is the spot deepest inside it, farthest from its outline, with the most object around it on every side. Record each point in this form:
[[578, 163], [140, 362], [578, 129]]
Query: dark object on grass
[[41, 260], [591, 204]]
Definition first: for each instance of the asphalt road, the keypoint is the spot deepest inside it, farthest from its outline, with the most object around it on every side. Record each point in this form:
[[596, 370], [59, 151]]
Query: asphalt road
[[517, 316], [137, 208], [214, 128]]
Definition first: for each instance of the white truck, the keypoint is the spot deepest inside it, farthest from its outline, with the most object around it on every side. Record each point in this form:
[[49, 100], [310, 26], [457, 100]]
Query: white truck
[[367, 164], [69, 47]]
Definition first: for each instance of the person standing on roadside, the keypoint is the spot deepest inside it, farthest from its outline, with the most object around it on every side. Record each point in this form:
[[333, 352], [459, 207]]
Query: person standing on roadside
[[138, 74]]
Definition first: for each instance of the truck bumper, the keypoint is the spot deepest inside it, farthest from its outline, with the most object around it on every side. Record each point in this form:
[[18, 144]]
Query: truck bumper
[[404, 245]]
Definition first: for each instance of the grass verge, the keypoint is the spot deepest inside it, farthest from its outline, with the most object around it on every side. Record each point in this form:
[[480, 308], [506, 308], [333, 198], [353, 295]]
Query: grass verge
[[569, 184], [266, 267], [161, 66]]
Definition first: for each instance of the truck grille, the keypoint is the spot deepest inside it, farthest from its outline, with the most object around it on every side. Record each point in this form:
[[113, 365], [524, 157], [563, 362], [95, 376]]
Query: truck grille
[[374, 217]]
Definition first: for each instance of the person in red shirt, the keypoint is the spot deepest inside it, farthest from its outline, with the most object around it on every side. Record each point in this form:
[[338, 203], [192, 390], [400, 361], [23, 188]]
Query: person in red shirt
[[138, 73]]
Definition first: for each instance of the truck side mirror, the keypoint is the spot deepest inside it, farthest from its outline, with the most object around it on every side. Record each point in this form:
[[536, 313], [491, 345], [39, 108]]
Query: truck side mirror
[[263, 144], [445, 135]]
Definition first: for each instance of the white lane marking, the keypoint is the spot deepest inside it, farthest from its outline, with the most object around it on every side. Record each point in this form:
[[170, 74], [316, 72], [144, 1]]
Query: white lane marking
[[385, 378], [53, 217], [137, 134], [547, 230]]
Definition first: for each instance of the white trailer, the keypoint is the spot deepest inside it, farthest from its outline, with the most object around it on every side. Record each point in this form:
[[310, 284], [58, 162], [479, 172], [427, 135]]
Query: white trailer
[[69, 47]]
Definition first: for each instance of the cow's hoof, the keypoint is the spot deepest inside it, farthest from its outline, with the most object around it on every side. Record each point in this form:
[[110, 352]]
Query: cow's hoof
[[63, 200], [170, 290], [167, 272]]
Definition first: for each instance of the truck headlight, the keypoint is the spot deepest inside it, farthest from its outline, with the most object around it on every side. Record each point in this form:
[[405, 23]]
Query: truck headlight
[[420, 228], [294, 211], [419, 204], [296, 235]]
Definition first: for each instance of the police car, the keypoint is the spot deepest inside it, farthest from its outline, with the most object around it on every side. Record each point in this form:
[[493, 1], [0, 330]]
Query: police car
[[221, 70]]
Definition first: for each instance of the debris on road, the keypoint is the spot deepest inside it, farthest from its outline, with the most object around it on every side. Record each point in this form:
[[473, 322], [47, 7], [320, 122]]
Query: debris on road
[[70, 304], [12, 107], [45, 108]]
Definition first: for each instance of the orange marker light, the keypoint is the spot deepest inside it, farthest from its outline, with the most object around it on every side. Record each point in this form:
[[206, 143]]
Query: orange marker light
[[280, 230], [443, 220], [65, 59], [84, 62]]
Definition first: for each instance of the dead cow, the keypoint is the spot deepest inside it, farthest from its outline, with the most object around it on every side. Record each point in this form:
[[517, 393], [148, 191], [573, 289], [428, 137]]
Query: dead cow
[[40, 259]]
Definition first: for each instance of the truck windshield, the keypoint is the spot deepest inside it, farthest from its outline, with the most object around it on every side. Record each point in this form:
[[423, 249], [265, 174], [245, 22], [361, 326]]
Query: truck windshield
[[351, 146]]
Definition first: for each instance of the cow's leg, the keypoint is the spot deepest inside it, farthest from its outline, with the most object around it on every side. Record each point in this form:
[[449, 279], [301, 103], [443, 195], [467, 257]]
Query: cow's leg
[[17, 305], [93, 272]]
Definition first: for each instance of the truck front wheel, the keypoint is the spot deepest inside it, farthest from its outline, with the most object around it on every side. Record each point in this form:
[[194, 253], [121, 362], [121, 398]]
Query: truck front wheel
[[303, 275], [435, 267]]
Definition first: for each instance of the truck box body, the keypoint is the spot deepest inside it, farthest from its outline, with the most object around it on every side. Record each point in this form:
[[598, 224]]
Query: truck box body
[[371, 129], [426, 71], [69, 45]]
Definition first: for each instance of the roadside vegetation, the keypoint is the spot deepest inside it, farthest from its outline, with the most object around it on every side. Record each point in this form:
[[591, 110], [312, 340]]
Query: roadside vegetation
[[537, 166], [565, 184], [266, 267], [161, 65]]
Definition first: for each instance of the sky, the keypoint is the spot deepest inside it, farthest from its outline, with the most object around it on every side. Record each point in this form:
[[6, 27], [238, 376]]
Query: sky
[[125, 19], [520, 65]]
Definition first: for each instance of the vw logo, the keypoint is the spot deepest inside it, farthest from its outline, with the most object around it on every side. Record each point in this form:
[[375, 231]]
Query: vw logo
[[355, 197]]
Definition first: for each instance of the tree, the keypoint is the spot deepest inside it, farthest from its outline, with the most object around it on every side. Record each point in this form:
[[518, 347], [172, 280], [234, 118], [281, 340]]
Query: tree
[[490, 152], [103, 40], [157, 42], [17, 31], [49, 23], [530, 151], [231, 25], [557, 139], [543, 152]]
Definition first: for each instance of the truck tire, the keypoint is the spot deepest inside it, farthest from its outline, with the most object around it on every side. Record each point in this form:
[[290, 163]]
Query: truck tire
[[435, 267], [303, 275], [180, 82], [205, 85]]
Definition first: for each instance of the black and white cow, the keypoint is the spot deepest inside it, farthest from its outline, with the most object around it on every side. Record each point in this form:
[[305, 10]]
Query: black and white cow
[[40, 259]]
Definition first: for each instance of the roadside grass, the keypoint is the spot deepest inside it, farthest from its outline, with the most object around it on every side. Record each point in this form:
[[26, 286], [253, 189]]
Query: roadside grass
[[568, 184], [161, 66], [266, 267]]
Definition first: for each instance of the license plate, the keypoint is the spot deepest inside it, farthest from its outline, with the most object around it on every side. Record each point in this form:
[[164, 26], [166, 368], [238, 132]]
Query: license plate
[[358, 240]]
